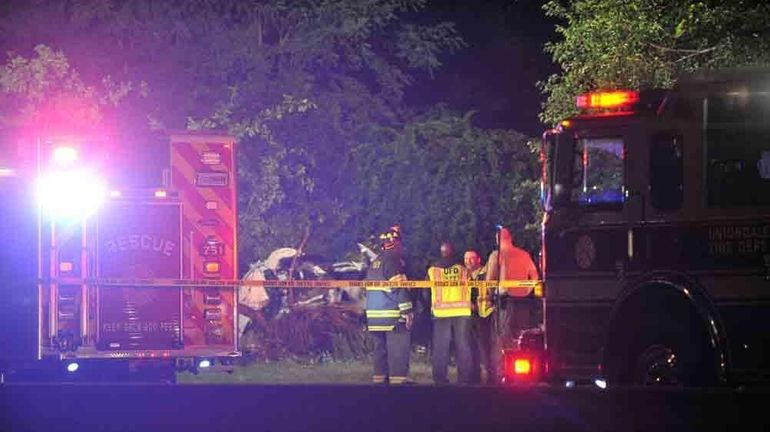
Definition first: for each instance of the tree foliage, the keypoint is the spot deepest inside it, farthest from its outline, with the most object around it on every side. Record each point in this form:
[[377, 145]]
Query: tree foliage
[[444, 179], [44, 90], [314, 92], [648, 43]]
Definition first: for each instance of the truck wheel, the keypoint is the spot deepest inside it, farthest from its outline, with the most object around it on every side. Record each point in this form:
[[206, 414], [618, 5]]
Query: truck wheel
[[658, 365], [669, 354], [659, 338]]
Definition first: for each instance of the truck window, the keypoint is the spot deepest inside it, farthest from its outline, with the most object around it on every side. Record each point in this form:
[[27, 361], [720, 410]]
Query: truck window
[[598, 171], [666, 171], [738, 149]]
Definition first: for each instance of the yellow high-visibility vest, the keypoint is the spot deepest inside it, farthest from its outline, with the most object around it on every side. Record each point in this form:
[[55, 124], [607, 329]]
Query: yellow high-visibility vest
[[452, 301], [484, 304]]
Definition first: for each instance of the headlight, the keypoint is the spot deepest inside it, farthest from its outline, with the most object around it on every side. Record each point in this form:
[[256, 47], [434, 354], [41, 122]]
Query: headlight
[[70, 194]]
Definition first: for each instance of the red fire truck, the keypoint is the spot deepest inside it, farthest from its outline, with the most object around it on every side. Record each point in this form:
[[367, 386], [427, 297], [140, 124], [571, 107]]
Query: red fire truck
[[656, 237], [90, 229]]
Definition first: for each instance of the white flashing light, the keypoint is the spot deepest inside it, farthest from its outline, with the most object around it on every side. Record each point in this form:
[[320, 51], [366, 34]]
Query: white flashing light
[[70, 194], [602, 384], [73, 367], [65, 155], [569, 384], [203, 364], [160, 193]]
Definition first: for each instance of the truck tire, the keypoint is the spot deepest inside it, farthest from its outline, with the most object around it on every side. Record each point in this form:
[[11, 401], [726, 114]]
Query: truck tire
[[665, 357], [665, 347]]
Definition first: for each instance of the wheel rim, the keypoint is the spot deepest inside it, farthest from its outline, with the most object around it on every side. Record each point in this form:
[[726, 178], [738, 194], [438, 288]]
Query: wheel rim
[[659, 365]]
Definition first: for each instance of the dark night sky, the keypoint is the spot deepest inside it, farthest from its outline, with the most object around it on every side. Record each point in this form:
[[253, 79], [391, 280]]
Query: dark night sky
[[496, 73]]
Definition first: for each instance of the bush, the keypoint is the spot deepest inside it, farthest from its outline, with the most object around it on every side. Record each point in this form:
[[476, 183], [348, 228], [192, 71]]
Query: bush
[[310, 334]]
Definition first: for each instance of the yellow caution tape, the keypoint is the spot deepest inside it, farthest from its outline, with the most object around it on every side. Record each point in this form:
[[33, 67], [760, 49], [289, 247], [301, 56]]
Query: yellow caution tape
[[323, 284]]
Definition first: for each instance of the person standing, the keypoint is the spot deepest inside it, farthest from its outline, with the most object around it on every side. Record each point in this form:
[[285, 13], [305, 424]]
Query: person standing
[[486, 347], [451, 306], [512, 263], [389, 312]]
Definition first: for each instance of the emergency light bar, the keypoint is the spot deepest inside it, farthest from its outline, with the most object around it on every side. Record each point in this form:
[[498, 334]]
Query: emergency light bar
[[608, 99]]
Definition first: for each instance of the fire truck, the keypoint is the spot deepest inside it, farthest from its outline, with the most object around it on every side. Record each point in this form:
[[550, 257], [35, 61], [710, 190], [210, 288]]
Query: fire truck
[[656, 237], [93, 230]]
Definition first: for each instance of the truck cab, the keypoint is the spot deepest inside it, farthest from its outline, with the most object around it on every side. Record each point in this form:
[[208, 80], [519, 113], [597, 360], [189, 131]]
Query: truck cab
[[656, 238]]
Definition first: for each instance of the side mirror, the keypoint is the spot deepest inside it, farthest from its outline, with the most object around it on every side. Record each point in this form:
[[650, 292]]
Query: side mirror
[[561, 195], [562, 170]]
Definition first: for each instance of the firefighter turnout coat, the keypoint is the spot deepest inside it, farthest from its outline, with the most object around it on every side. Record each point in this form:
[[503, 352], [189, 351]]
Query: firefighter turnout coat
[[385, 307]]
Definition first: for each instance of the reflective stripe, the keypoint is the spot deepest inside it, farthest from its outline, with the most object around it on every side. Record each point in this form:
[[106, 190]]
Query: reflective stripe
[[379, 379], [405, 306], [380, 327], [452, 305], [383, 314], [449, 313], [397, 380]]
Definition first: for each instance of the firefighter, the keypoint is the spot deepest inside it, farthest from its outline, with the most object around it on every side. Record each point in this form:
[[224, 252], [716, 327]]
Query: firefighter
[[451, 306], [512, 263], [389, 312], [486, 349]]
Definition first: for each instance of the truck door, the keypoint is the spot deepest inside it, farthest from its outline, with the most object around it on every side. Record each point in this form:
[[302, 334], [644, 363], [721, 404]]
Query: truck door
[[139, 240], [587, 238]]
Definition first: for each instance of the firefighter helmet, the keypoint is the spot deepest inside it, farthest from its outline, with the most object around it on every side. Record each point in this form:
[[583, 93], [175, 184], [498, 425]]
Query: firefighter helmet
[[390, 237]]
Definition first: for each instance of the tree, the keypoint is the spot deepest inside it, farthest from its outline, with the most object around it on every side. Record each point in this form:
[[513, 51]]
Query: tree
[[45, 91], [442, 178], [648, 44], [314, 92]]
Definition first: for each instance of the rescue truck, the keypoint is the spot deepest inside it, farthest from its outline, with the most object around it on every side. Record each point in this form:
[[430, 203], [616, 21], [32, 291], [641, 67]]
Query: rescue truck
[[99, 238], [656, 237]]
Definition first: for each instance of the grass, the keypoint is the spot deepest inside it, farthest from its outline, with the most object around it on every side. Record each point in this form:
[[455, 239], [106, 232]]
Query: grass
[[294, 372]]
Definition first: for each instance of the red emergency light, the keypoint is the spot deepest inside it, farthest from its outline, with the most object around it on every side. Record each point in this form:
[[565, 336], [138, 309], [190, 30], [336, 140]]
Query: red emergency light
[[607, 99]]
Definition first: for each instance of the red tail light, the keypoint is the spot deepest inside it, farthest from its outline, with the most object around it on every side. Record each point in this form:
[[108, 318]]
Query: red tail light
[[522, 366]]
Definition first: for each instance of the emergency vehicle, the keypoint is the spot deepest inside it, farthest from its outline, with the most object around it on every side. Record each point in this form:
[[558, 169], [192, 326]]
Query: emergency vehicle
[[656, 237], [93, 230]]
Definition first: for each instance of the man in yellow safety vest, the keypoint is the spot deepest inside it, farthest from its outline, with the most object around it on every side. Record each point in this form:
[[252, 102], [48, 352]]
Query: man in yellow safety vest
[[451, 306], [486, 348]]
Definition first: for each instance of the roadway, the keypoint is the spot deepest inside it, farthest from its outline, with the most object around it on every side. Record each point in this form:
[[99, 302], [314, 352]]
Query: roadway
[[188, 408]]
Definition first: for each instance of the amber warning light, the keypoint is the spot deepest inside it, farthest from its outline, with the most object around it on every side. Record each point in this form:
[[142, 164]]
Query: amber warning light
[[607, 99]]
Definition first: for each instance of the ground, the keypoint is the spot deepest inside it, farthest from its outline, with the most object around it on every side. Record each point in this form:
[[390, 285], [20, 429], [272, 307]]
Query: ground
[[292, 372]]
